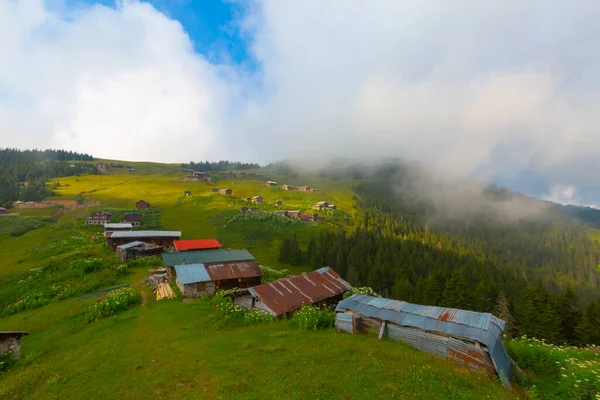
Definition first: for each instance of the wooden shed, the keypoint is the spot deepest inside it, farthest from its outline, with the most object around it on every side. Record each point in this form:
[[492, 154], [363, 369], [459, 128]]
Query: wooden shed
[[225, 191], [270, 183], [257, 200], [323, 287], [279, 203], [288, 187], [138, 249], [142, 205], [159, 238]]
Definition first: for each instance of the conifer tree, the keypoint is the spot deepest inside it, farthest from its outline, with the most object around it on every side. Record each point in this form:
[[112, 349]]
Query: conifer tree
[[569, 314], [502, 311], [587, 330], [284, 251], [294, 254]]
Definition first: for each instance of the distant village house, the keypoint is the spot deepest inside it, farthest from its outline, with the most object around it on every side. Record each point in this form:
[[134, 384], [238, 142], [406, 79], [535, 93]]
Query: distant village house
[[304, 188], [270, 183], [324, 205], [279, 203], [132, 218], [101, 168], [288, 187], [142, 205], [98, 218], [215, 190], [258, 199], [3, 210], [225, 191], [243, 209], [187, 193]]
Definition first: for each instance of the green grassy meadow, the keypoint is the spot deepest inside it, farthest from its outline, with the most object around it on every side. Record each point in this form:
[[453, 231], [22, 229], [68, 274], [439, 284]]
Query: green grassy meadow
[[181, 350]]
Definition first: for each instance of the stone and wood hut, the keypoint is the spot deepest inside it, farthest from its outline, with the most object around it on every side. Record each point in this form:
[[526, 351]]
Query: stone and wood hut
[[10, 342], [138, 249], [142, 205]]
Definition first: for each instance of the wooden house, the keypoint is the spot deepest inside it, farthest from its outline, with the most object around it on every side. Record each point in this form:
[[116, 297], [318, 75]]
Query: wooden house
[[110, 228], [314, 190], [323, 205], [270, 183], [10, 343], [196, 244], [279, 203], [288, 187], [309, 217], [225, 191], [215, 190], [159, 238], [132, 218], [294, 213], [98, 218], [323, 287], [195, 176], [257, 200], [303, 188], [199, 273], [3, 210], [142, 205], [101, 168], [468, 338], [187, 193], [137, 249], [248, 199]]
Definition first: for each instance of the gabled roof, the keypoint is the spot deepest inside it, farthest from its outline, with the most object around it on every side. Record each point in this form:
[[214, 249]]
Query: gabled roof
[[196, 244], [142, 201], [130, 245], [144, 234], [193, 273], [290, 294], [206, 256]]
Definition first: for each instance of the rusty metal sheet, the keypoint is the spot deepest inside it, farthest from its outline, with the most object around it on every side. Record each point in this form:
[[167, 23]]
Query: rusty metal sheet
[[232, 270], [289, 294]]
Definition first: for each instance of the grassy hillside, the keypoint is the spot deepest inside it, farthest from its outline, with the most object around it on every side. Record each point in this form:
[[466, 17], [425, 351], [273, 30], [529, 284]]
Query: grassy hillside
[[172, 349]]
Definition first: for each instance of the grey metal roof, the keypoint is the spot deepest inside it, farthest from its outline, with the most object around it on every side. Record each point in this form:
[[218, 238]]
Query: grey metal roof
[[117, 225], [144, 234], [482, 327], [192, 273], [129, 245], [205, 256]]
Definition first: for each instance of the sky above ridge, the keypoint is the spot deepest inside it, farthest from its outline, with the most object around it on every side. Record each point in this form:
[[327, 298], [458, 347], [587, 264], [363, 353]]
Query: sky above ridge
[[506, 91]]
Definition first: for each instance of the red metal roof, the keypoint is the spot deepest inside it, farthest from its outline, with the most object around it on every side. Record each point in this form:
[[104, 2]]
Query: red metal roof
[[232, 270], [197, 244], [290, 294]]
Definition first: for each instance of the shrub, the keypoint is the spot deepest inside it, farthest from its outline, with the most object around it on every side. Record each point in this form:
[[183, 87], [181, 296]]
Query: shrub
[[365, 290], [31, 301], [272, 274], [312, 318], [115, 302], [561, 372], [227, 310], [6, 361]]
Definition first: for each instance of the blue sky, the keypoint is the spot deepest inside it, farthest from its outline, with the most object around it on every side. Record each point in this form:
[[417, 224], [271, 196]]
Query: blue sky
[[210, 24]]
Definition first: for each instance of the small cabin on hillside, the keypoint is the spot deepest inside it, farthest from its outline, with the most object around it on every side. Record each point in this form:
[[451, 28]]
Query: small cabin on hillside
[[270, 183], [323, 287], [187, 193], [309, 217], [159, 238], [215, 190], [98, 218], [196, 244], [257, 200], [101, 168], [142, 205], [10, 343], [469, 338], [226, 191], [3, 210], [200, 273], [132, 218], [138, 249], [304, 188], [279, 203], [195, 176], [288, 187]]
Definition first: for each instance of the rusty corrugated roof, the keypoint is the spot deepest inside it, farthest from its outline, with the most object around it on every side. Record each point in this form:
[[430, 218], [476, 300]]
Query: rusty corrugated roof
[[232, 270], [289, 294]]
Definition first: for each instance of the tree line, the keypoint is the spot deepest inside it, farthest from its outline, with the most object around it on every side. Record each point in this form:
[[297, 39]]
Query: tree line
[[223, 165], [24, 173], [539, 275]]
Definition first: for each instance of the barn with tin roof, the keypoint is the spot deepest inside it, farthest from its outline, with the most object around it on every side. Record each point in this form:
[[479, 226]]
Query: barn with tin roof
[[469, 338]]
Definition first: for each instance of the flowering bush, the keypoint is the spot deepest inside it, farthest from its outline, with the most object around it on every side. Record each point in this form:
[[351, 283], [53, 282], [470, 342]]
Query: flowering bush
[[31, 301], [564, 372], [312, 318], [365, 290], [115, 302], [226, 309], [272, 274]]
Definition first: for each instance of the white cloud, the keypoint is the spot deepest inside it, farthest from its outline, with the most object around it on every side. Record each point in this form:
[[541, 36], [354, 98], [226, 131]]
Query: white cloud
[[119, 83], [483, 88]]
